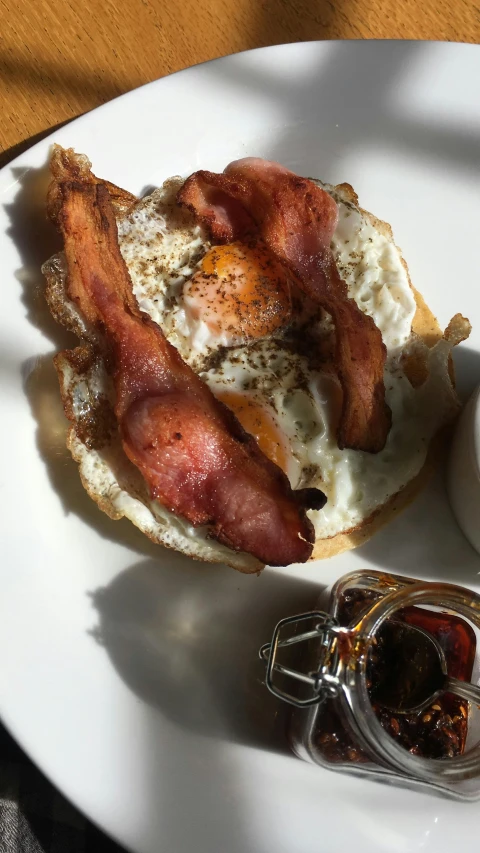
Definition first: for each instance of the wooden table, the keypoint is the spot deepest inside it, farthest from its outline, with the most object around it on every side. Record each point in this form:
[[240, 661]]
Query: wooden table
[[60, 58]]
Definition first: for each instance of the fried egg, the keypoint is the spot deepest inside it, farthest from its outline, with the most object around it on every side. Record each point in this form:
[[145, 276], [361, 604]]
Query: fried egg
[[228, 310], [234, 316]]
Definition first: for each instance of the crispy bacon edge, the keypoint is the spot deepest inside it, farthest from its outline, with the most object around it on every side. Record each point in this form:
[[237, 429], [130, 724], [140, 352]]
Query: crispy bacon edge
[[66, 165]]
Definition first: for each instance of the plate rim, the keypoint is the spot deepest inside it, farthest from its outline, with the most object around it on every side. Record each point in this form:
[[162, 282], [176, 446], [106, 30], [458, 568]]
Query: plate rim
[[45, 143]]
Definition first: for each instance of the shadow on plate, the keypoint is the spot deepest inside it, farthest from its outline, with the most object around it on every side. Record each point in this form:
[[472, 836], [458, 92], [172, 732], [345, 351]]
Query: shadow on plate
[[336, 89], [425, 541], [185, 638], [467, 370], [36, 240]]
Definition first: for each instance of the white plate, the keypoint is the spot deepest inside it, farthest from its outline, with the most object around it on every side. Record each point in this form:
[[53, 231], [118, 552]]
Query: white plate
[[128, 673]]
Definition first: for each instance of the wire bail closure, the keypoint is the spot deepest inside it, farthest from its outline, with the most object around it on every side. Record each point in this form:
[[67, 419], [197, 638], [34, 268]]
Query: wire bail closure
[[324, 680]]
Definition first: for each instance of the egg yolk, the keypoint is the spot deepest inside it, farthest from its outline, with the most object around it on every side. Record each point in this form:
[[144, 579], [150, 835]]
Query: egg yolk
[[258, 422], [241, 291]]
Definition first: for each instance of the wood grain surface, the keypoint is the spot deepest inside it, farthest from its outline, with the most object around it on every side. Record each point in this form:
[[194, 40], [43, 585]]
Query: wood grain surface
[[60, 58]]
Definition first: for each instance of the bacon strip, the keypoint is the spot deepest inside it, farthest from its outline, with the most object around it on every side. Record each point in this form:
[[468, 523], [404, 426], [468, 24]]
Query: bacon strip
[[193, 453], [296, 219], [66, 165]]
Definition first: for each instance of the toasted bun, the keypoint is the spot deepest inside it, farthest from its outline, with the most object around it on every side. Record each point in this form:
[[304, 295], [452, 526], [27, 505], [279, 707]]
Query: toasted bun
[[115, 484]]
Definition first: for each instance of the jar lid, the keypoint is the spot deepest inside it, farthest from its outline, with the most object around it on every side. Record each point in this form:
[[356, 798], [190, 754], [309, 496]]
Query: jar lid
[[324, 681]]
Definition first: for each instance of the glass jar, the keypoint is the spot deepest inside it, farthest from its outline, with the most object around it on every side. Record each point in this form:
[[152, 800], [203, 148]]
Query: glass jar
[[329, 663]]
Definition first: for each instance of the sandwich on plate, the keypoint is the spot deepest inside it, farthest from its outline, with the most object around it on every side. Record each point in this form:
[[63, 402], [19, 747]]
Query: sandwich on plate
[[256, 379]]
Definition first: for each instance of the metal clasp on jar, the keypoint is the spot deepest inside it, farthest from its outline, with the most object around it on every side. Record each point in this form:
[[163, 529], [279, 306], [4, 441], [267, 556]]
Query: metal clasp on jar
[[324, 678]]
